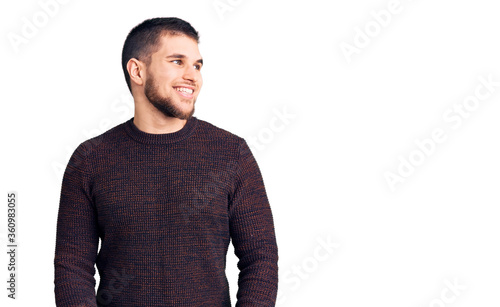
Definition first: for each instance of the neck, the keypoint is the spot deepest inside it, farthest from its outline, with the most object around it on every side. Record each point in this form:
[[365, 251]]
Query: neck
[[148, 119]]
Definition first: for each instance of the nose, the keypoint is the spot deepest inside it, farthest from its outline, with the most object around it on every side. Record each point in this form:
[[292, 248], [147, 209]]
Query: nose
[[191, 74]]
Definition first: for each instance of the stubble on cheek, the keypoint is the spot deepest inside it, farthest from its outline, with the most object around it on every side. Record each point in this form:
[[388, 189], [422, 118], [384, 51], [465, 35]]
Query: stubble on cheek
[[165, 104]]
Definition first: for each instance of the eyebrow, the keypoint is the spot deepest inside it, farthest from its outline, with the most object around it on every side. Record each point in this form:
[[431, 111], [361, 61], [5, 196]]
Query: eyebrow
[[182, 56]]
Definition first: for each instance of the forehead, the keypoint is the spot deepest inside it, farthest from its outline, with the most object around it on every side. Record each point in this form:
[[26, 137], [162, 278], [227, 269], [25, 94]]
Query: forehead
[[178, 44]]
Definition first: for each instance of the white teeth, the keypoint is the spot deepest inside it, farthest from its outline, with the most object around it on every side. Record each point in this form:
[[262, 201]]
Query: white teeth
[[185, 90]]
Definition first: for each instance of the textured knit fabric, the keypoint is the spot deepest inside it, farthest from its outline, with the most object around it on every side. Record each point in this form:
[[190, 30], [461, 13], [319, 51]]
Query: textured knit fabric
[[165, 207]]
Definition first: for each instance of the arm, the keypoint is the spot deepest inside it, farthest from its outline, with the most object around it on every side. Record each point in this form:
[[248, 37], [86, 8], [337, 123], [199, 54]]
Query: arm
[[77, 237], [253, 236]]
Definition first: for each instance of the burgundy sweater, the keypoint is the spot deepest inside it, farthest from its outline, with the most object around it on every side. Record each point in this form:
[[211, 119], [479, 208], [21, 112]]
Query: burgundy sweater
[[165, 207]]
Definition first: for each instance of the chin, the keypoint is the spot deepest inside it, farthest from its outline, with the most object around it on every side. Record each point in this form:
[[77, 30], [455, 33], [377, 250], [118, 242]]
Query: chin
[[186, 114]]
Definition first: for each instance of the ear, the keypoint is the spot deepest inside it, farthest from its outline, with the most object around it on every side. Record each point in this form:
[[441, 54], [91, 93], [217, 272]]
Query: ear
[[136, 71]]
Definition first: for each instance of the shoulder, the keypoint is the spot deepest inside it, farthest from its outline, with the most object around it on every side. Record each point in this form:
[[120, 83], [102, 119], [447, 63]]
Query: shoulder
[[219, 138], [217, 133], [106, 140]]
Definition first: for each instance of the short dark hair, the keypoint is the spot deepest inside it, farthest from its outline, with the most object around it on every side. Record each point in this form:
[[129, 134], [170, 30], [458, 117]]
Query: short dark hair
[[143, 39]]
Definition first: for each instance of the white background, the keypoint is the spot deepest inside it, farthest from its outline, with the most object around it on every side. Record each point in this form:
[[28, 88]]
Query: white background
[[351, 120]]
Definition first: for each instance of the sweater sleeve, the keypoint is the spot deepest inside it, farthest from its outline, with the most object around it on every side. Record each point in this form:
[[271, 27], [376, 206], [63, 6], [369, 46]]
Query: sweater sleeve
[[77, 237], [253, 235]]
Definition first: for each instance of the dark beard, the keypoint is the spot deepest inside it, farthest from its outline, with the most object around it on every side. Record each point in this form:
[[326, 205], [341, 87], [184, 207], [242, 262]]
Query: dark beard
[[163, 104]]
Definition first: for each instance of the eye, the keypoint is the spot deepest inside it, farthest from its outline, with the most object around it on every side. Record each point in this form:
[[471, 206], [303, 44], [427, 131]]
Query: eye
[[179, 62], [197, 66]]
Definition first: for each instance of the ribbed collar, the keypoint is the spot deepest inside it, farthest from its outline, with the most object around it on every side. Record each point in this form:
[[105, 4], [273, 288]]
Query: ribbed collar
[[162, 138]]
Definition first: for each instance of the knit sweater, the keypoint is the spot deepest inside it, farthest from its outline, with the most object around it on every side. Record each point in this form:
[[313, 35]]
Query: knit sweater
[[165, 207]]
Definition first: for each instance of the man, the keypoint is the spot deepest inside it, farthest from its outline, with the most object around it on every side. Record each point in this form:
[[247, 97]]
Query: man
[[165, 193]]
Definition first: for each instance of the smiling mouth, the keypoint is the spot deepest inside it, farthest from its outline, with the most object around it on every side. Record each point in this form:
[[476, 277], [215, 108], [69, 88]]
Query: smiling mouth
[[186, 90]]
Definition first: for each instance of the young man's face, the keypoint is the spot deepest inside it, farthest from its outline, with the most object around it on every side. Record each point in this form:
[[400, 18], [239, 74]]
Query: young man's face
[[173, 79]]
